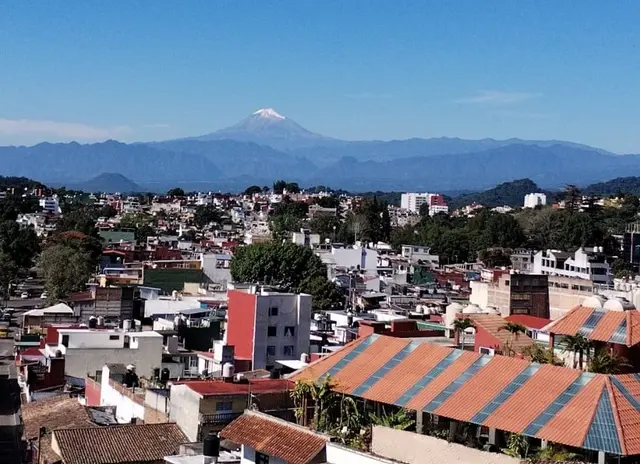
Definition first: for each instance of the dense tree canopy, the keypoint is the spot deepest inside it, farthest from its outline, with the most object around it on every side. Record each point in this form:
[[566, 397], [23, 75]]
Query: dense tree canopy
[[289, 266], [205, 215], [252, 190], [175, 192]]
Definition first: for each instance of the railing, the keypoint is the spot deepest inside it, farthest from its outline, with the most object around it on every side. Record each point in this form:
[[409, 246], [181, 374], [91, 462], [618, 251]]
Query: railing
[[220, 418]]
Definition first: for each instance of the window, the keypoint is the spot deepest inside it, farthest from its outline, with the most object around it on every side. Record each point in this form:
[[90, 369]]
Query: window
[[65, 340], [273, 311], [261, 458], [289, 331], [271, 350], [114, 337], [489, 351], [272, 331], [224, 406], [287, 350], [506, 283]]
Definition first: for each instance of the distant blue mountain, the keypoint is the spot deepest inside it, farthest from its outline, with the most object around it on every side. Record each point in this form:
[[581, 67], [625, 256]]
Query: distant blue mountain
[[267, 146]]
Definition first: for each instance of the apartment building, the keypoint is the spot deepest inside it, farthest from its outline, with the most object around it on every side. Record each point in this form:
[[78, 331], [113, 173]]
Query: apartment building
[[265, 326], [86, 351], [50, 205], [532, 200], [583, 264], [413, 201], [420, 254]]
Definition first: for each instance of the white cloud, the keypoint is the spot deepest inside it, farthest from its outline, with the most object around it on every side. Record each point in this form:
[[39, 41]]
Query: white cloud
[[369, 96], [60, 130], [496, 97]]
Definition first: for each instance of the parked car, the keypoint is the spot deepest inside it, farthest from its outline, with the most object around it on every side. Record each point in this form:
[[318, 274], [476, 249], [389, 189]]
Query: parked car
[[24, 295], [44, 296]]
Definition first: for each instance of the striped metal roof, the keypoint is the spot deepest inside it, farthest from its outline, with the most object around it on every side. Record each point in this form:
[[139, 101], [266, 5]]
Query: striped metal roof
[[562, 405], [620, 327]]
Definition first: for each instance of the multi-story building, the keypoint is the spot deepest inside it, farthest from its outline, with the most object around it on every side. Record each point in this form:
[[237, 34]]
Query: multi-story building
[[532, 200], [50, 205], [413, 201], [201, 406], [564, 293], [266, 326], [114, 304], [631, 245], [584, 264], [420, 254], [522, 261], [305, 238], [86, 351]]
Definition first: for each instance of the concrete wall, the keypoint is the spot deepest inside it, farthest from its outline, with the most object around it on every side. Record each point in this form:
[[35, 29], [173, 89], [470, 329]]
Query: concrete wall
[[146, 358], [126, 407], [413, 448], [185, 409]]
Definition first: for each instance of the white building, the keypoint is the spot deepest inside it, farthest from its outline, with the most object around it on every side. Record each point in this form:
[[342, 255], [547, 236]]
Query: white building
[[532, 200], [583, 264], [86, 351], [305, 238], [50, 205], [416, 253], [339, 259], [413, 201], [265, 326]]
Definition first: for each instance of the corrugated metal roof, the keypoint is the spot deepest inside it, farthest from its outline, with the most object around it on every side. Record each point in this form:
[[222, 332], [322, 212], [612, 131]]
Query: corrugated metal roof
[[621, 327], [559, 404]]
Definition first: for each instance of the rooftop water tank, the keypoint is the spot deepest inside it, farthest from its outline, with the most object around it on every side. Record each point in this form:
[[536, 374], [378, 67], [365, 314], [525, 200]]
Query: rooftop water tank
[[451, 312], [227, 371]]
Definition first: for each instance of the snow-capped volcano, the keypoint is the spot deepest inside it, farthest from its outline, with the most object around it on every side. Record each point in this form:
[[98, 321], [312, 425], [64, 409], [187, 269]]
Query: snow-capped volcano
[[268, 113], [268, 127]]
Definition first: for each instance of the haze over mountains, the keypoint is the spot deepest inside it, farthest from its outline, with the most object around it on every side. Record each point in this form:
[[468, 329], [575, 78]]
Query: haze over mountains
[[267, 146]]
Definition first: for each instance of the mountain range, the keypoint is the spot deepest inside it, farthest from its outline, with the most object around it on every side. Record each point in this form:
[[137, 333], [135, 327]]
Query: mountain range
[[267, 146]]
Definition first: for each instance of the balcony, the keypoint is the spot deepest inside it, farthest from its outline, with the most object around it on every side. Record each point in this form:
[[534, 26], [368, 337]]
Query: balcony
[[220, 418]]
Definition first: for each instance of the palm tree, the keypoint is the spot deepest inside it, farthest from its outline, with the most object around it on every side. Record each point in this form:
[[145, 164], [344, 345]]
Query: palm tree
[[515, 330], [606, 362], [323, 398], [399, 420], [577, 344], [460, 326]]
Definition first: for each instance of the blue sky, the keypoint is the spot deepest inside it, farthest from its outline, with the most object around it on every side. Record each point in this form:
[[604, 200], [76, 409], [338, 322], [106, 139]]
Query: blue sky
[[134, 70]]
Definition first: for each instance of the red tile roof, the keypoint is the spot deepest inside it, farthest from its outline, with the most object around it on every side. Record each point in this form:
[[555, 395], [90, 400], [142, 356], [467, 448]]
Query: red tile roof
[[556, 403], [493, 325], [275, 437], [219, 387], [118, 444]]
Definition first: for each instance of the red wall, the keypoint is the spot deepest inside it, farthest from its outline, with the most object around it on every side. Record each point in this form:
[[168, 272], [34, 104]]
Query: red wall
[[92, 392], [486, 340], [241, 316]]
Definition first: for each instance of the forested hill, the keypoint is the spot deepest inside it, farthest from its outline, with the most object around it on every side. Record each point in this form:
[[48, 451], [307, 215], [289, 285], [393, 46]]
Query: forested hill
[[507, 193], [619, 185]]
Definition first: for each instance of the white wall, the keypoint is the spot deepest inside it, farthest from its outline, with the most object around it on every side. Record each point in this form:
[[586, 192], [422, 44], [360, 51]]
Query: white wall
[[293, 310], [126, 409], [352, 257], [413, 448], [169, 306], [185, 410]]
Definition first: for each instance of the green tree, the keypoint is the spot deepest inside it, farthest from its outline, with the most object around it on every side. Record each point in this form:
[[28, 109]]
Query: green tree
[[253, 190], [576, 344], [205, 215], [573, 198], [65, 269], [282, 225], [495, 257], [621, 269], [80, 220], [326, 295], [540, 355], [176, 192], [8, 273], [21, 244], [293, 267], [279, 186], [325, 226], [606, 362]]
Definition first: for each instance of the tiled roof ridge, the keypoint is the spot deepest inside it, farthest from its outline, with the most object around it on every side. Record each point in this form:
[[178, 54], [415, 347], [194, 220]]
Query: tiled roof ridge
[[552, 324], [292, 425], [616, 414]]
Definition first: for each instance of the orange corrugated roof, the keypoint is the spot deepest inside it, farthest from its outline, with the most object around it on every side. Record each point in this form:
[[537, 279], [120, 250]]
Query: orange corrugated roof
[[365, 365], [391, 387], [545, 401], [443, 380], [481, 388], [515, 414], [604, 329], [321, 366], [571, 424]]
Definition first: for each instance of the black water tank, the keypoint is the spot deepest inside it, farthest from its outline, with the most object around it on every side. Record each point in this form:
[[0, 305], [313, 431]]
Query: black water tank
[[93, 322], [164, 375], [211, 445]]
